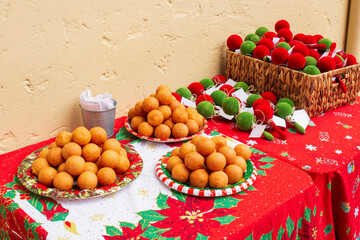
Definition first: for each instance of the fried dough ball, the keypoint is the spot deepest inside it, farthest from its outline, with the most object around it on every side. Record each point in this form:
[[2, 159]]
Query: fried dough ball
[[55, 157], [218, 179], [149, 104], [98, 135], [180, 130], [155, 118], [63, 138], [44, 153], [180, 116], [199, 178], [135, 122], [234, 173], [90, 166], [145, 129], [172, 161], [52, 145], [46, 176], [180, 173], [164, 96], [63, 181], [91, 152], [162, 131], [106, 176], [169, 123], [71, 149], [175, 104], [219, 142], [87, 180], [81, 136], [216, 161], [39, 164], [123, 165], [196, 139], [198, 118], [112, 144], [243, 151], [205, 146], [62, 168], [166, 111], [163, 87], [175, 152], [194, 160], [123, 152], [185, 148], [139, 111], [229, 154], [241, 162], [110, 158], [98, 163], [131, 113], [75, 165], [191, 110], [192, 126]]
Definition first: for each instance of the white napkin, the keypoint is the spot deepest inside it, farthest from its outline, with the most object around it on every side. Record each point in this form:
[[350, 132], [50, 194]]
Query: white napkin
[[100, 102]]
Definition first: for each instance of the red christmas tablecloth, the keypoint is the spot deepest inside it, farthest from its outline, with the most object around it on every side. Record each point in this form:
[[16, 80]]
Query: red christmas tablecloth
[[330, 153], [281, 204]]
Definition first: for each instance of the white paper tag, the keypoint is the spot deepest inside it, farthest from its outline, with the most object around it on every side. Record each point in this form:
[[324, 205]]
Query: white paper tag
[[237, 50], [275, 40], [257, 131], [224, 115], [250, 110], [325, 54], [188, 103], [211, 90], [241, 94], [290, 51], [280, 122], [230, 82], [301, 117]]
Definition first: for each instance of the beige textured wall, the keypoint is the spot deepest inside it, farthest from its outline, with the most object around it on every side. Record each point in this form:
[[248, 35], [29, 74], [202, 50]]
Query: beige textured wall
[[50, 51]]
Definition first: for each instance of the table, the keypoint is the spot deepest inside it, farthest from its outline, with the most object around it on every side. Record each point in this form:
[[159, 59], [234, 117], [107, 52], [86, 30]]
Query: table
[[281, 204], [329, 152]]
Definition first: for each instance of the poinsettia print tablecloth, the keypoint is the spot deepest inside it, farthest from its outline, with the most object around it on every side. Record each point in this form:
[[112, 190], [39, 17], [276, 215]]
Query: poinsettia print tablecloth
[[330, 153], [281, 204]]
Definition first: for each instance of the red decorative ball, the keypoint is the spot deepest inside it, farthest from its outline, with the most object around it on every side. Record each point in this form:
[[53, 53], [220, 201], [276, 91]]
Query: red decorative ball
[[315, 54], [196, 88], [204, 97], [279, 55], [261, 51], [286, 34], [294, 42], [301, 48], [259, 102], [309, 39], [326, 64], [281, 24], [177, 96], [263, 113], [338, 62], [228, 89], [270, 35], [318, 37], [234, 42], [267, 42], [296, 61], [299, 36], [270, 97], [219, 79], [351, 60]]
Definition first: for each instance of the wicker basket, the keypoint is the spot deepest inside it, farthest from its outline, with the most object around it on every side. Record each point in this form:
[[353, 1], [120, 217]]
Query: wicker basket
[[314, 93]]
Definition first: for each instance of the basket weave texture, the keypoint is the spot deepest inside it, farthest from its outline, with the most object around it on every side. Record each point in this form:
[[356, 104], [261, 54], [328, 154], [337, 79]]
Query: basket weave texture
[[314, 93]]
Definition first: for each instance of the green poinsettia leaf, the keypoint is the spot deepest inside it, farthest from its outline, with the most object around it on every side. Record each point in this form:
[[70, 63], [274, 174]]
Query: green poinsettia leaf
[[151, 215], [113, 231], [328, 229], [4, 235], [10, 194], [13, 206], [299, 225], [59, 216], [250, 237], [255, 151], [225, 202], [291, 130], [307, 214], [225, 219], [266, 236], [27, 224], [128, 225], [35, 201], [10, 185], [153, 232], [280, 233], [124, 134], [178, 195], [35, 225], [201, 237], [268, 165], [3, 211], [261, 172], [289, 226], [144, 223], [266, 159], [251, 188], [314, 211], [161, 201]]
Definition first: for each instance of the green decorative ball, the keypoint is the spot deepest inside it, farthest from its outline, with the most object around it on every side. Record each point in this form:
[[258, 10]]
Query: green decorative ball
[[242, 85], [251, 99], [245, 120], [184, 92], [206, 109], [261, 31], [230, 106], [207, 83], [252, 37], [325, 41], [311, 70], [247, 48], [283, 109], [287, 100], [283, 45], [310, 61], [218, 96]]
